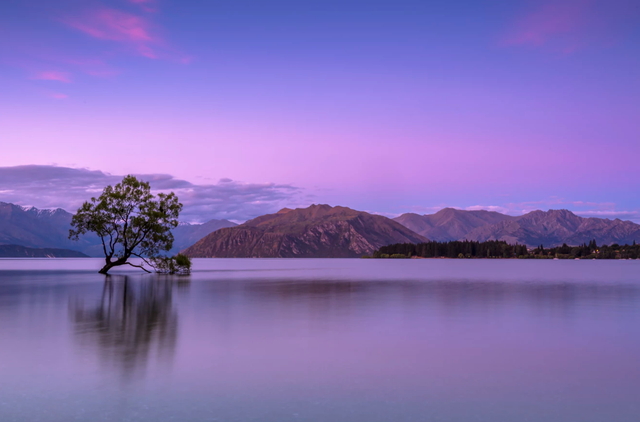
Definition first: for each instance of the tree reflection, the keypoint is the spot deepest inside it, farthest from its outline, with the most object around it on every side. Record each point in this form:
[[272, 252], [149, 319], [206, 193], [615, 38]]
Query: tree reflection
[[134, 322]]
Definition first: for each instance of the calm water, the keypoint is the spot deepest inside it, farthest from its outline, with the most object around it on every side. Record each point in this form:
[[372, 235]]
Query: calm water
[[322, 340]]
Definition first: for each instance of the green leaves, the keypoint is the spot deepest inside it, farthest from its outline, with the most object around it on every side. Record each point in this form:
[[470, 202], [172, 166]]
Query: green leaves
[[129, 220], [178, 264]]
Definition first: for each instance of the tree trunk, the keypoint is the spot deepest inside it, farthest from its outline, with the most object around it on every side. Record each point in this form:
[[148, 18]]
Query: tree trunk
[[107, 267], [120, 261], [110, 264]]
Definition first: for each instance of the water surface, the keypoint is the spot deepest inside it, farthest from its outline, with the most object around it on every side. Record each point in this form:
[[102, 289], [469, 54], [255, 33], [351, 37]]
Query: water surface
[[321, 340]]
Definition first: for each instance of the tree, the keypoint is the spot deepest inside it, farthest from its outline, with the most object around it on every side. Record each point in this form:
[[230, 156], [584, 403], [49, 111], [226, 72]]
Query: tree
[[179, 264], [130, 221]]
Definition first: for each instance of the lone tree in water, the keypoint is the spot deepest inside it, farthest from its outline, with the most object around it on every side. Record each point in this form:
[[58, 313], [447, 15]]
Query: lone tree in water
[[130, 221]]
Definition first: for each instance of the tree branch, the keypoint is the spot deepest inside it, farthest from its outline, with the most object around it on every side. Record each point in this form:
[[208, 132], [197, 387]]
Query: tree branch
[[104, 247], [138, 266], [142, 258]]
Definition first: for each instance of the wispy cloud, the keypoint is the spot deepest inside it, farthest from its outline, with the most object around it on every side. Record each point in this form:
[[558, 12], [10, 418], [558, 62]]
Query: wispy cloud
[[496, 208], [53, 75], [117, 30], [633, 215], [67, 188], [115, 25]]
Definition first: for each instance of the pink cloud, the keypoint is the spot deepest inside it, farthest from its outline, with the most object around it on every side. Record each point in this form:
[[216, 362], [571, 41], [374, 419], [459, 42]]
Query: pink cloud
[[561, 24], [115, 25], [58, 95], [53, 75]]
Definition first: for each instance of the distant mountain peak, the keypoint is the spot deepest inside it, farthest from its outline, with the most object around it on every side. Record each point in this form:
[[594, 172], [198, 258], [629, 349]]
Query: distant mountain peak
[[36, 228], [449, 223], [551, 228], [316, 231], [43, 211]]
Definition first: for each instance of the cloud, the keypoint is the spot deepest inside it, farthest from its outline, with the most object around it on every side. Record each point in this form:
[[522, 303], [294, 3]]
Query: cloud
[[53, 75], [635, 215], [128, 28], [138, 33], [65, 187], [115, 25], [496, 208]]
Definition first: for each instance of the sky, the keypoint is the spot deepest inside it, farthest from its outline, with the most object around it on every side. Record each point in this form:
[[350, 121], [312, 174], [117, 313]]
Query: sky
[[387, 106]]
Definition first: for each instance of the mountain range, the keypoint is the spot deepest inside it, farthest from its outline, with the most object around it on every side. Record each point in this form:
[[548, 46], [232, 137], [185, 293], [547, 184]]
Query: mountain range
[[319, 231], [35, 228], [550, 228], [322, 231], [450, 223]]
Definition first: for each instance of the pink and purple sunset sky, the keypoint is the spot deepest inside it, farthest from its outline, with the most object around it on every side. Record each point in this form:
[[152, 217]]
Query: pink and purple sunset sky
[[245, 106]]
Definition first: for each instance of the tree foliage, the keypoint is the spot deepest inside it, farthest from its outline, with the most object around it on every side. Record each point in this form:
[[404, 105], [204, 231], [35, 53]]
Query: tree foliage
[[454, 249], [179, 264], [130, 221], [588, 251], [501, 249]]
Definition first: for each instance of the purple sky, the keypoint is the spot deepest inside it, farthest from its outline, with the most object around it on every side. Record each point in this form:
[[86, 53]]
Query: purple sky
[[385, 106]]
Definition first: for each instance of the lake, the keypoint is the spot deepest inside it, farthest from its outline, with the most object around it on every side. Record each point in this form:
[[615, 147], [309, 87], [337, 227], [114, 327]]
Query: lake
[[321, 340]]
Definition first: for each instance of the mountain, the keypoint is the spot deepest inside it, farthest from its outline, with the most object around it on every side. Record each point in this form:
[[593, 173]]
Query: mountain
[[17, 251], [35, 228], [450, 223], [319, 231], [187, 234], [555, 227], [550, 228]]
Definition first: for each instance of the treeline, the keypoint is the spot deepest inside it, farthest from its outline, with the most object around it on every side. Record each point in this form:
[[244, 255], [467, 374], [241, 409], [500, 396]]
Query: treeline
[[588, 251], [452, 249], [501, 249]]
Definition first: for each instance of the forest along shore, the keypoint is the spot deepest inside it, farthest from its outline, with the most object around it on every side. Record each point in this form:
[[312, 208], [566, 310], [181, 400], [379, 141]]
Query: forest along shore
[[495, 249]]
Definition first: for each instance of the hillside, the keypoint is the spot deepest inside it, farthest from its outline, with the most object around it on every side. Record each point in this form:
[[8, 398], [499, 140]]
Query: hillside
[[555, 227], [187, 234], [34, 228], [450, 223], [17, 251], [550, 228], [319, 231]]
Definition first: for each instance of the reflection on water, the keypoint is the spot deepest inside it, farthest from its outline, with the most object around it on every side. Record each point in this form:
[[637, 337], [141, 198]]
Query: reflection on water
[[131, 321], [323, 340], [449, 297]]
